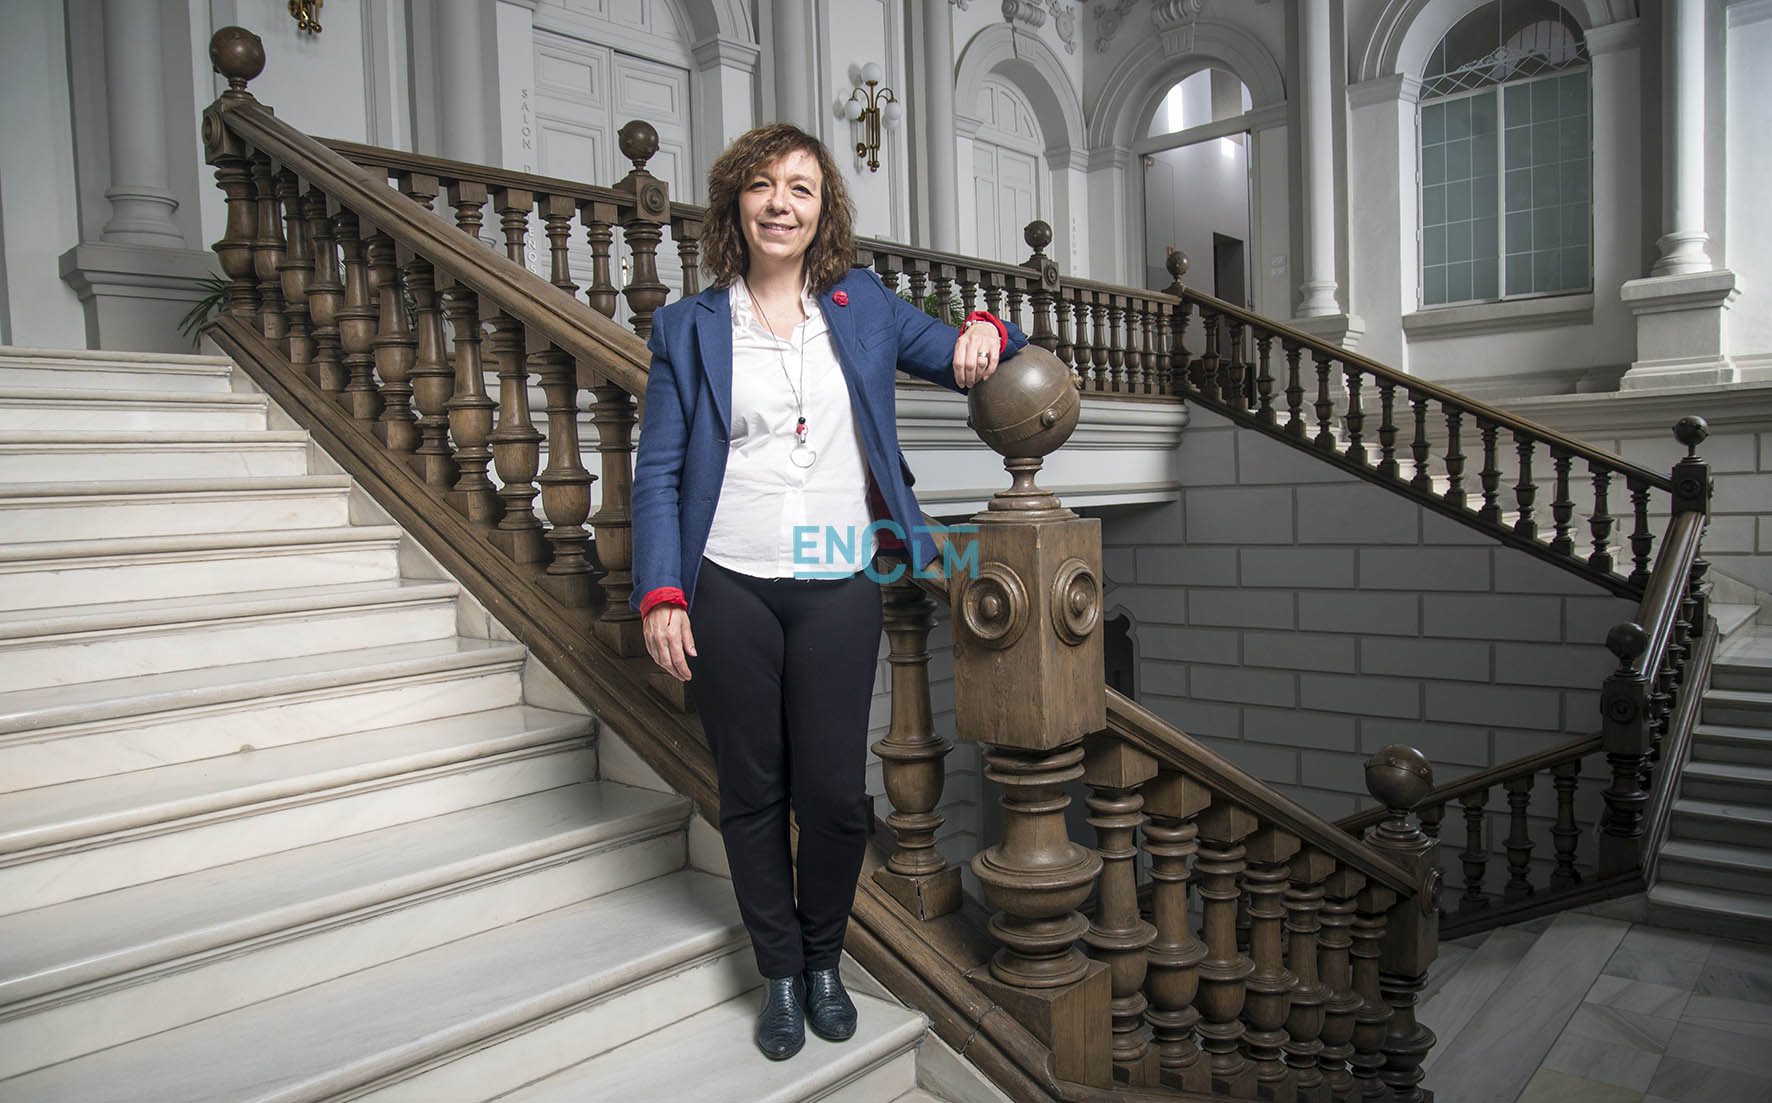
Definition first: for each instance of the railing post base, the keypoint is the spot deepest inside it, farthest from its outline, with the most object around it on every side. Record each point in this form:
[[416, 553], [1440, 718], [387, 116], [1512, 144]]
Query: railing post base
[[1071, 1020], [926, 896]]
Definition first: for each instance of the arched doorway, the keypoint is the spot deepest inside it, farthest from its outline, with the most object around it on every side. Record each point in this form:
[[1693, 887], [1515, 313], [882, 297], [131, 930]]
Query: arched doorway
[[1006, 174], [1196, 185]]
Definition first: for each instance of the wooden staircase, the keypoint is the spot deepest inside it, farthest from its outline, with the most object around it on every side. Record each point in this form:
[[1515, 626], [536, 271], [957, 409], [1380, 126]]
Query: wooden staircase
[[284, 815]]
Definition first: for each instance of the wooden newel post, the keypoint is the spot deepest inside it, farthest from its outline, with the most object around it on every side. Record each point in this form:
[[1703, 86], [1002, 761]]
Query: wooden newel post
[[237, 54], [911, 757], [1038, 235], [1400, 777], [643, 227], [1627, 735], [1027, 656]]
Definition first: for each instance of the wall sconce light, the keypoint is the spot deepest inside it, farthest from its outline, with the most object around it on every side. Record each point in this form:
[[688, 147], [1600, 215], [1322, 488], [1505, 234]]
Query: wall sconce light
[[864, 105], [306, 14]]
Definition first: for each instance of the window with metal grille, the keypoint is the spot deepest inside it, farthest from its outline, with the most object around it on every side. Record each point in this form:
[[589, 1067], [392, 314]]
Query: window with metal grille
[[1505, 157]]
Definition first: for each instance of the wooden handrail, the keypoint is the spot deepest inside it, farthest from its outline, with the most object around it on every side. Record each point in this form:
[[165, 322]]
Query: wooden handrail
[[616, 352], [1445, 395], [1573, 751], [1658, 612]]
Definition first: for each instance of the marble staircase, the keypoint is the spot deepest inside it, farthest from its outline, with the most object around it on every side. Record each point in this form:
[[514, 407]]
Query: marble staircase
[[284, 815]]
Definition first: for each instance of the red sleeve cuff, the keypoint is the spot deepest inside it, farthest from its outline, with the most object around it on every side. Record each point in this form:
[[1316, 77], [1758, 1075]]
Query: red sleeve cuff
[[987, 316], [664, 595]]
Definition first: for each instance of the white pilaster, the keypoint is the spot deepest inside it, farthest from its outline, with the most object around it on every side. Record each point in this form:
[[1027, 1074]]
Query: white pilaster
[[1317, 146], [141, 184], [463, 68], [1682, 246], [794, 93], [726, 69], [937, 126]]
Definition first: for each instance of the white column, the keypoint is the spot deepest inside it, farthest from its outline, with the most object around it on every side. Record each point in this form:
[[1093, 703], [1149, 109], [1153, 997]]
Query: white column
[[141, 182], [462, 66], [1317, 146], [793, 68], [1682, 246], [939, 136]]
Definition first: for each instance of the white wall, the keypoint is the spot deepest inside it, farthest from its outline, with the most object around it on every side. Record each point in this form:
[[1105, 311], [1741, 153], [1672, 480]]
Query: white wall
[[1749, 167]]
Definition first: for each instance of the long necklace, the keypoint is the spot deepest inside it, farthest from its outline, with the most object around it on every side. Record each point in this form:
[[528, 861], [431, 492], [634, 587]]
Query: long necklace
[[802, 454]]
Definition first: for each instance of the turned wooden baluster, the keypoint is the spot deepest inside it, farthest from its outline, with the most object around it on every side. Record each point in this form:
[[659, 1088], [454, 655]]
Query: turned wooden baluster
[[1180, 359], [565, 486], [394, 350], [1234, 390], [1418, 448], [686, 232], [356, 326], [268, 250], [1372, 1020], [599, 219], [1129, 339], [1264, 378], [1325, 405], [1475, 856], [1490, 477], [1107, 322], [912, 759], [516, 444], [1519, 838], [1295, 419], [1562, 507], [1172, 980], [886, 267], [1114, 772], [470, 412], [1565, 834], [1066, 349], [1267, 1004], [1100, 350], [1600, 522], [1525, 491], [918, 274], [1209, 382], [1341, 891], [296, 270], [993, 293], [433, 380], [613, 414], [1355, 419], [1311, 993], [468, 197], [1038, 235], [1400, 778], [1454, 457], [1224, 973], [326, 293], [1642, 541], [642, 229], [556, 221], [1387, 429]]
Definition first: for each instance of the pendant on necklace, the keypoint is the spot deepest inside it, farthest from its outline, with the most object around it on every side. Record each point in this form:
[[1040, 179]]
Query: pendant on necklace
[[802, 455]]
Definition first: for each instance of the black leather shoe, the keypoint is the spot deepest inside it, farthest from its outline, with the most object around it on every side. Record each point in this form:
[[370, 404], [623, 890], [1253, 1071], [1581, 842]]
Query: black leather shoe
[[781, 1030], [828, 1007]]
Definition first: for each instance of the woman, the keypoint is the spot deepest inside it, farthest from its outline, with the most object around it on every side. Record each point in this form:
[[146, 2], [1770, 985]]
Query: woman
[[769, 446]]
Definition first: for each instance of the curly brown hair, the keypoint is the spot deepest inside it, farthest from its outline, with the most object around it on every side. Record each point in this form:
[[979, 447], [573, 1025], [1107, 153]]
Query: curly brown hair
[[725, 253]]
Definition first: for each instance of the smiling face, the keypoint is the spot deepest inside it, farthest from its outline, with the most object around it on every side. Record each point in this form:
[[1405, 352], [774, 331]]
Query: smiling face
[[778, 210]]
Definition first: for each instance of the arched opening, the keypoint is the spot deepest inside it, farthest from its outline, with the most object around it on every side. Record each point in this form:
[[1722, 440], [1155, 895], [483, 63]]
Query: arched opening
[[1197, 183], [1007, 179]]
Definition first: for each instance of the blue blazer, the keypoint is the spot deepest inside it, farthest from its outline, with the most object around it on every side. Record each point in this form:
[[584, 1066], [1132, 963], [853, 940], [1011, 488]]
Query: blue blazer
[[682, 453]]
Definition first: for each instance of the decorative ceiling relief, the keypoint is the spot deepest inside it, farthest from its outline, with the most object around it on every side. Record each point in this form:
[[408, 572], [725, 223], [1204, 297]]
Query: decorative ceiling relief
[[1107, 22], [1173, 20], [1029, 13], [1064, 21], [1031, 16]]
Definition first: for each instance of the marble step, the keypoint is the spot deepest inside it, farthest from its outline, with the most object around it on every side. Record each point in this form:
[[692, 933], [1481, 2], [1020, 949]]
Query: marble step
[[1736, 708], [709, 1057], [101, 370], [42, 647], [1746, 663], [623, 959], [1727, 782], [1721, 743], [1711, 911], [1718, 822], [62, 842], [104, 970], [55, 734], [37, 512], [73, 455], [80, 572], [73, 408], [1715, 865]]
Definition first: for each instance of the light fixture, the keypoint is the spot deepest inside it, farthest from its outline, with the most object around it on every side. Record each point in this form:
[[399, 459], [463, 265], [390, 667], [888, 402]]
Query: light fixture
[[306, 14], [864, 106]]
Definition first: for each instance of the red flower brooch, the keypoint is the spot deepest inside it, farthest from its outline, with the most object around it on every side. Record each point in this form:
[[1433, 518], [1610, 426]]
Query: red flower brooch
[[841, 298]]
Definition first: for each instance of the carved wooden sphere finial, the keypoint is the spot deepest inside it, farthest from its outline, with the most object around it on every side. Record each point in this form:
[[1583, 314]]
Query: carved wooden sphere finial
[[1628, 641], [1038, 234], [1399, 777], [238, 54], [1176, 264], [639, 141], [1691, 431], [1028, 408]]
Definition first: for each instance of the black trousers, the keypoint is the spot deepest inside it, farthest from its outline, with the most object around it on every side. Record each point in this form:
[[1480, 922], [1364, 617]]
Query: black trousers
[[783, 681]]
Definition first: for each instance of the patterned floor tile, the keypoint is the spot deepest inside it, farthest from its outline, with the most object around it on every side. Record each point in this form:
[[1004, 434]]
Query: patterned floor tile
[[1738, 971], [1735, 1016], [1658, 1001], [1549, 1086], [1620, 1066], [1721, 1048], [1690, 1082], [1620, 1028]]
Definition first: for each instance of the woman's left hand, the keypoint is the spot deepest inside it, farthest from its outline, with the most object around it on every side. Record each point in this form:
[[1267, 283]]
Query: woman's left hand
[[975, 353]]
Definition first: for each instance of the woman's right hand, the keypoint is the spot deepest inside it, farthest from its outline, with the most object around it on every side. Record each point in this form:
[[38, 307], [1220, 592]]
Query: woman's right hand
[[669, 640]]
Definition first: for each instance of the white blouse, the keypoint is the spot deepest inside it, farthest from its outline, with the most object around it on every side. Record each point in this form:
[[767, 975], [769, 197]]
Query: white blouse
[[775, 519]]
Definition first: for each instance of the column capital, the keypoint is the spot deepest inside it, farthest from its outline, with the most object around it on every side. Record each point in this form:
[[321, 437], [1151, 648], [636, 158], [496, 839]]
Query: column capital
[[1067, 158], [1396, 88], [1109, 157], [726, 53]]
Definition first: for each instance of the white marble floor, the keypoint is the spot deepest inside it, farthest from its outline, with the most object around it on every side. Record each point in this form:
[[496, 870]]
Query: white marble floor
[[1668, 1017]]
